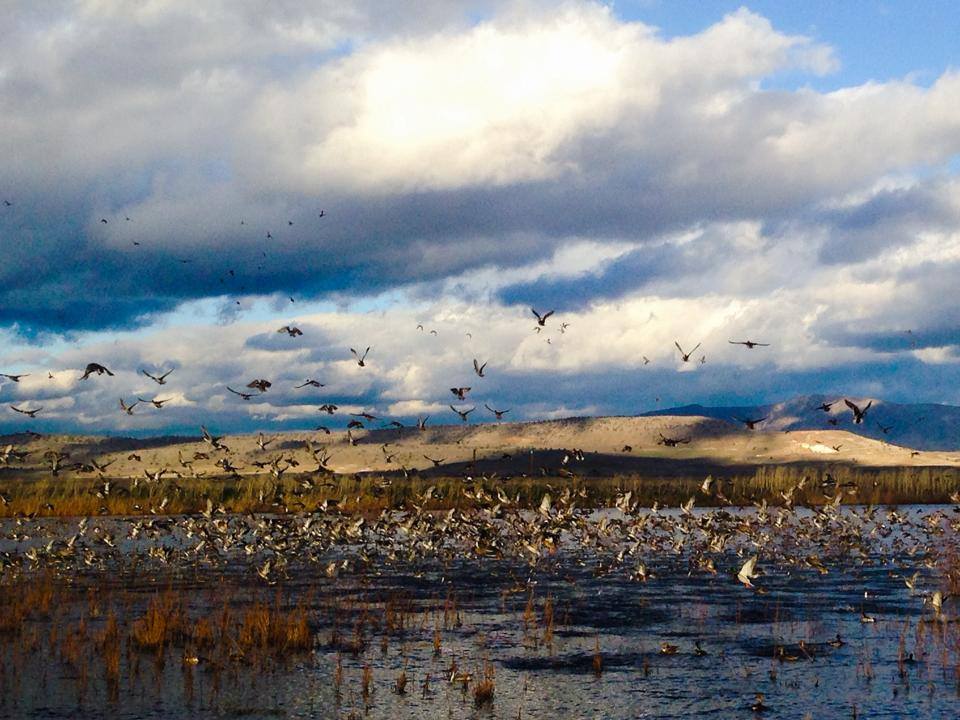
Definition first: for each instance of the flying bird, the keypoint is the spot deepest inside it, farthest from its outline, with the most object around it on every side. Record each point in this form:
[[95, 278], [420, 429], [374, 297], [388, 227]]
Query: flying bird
[[162, 380], [462, 413], [826, 406], [498, 413], [749, 344], [128, 409], [751, 424], [259, 384], [156, 402], [245, 396], [290, 330], [478, 368], [541, 319], [460, 392], [685, 355], [95, 368], [857, 412], [311, 383], [16, 378], [360, 358], [29, 413]]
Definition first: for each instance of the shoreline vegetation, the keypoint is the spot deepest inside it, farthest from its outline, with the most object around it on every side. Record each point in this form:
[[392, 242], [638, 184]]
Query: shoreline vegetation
[[34, 494]]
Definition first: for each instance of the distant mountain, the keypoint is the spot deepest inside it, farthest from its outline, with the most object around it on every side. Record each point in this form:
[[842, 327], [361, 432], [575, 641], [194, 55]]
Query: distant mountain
[[925, 426]]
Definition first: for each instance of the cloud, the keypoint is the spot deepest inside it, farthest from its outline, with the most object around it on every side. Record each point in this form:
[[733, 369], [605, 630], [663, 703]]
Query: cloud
[[436, 148], [471, 160]]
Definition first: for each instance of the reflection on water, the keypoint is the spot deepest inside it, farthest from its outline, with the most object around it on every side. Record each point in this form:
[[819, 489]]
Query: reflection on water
[[577, 633]]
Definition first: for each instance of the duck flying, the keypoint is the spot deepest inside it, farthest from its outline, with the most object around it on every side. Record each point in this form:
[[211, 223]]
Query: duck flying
[[95, 368], [462, 413], [541, 319], [162, 380], [361, 359], [498, 413], [685, 355], [245, 396], [311, 383], [857, 412], [16, 378], [28, 413]]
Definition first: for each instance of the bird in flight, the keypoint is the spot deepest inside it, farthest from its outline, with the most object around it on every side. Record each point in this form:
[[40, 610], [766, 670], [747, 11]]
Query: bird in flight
[[436, 463], [360, 358], [857, 412], [328, 408], [460, 392], [462, 413], [685, 355], [672, 442], [541, 319], [29, 413], [498, 413], [311, 383], [162, 380], [95, 368], [290, 330], [749, 344], [422, 423], [261, 385], [478, 368], [245, 396], [156, 402], [128, 409], [826, 406], [751, 424], [16, 378]]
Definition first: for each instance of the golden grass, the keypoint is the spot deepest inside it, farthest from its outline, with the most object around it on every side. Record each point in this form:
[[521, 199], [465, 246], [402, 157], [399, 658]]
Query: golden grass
[[75, 496]]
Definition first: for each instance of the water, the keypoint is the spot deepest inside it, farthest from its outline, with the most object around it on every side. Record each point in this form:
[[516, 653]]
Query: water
[[493, 613]]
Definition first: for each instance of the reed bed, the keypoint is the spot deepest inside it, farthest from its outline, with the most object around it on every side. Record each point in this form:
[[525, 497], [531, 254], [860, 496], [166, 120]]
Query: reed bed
[[372, 493]]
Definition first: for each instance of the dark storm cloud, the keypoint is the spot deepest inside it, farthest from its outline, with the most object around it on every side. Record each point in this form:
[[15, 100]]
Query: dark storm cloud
[[190, 133]]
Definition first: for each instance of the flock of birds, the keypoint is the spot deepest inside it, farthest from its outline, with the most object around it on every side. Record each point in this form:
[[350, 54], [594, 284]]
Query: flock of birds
[[749, 545], [258, 386]]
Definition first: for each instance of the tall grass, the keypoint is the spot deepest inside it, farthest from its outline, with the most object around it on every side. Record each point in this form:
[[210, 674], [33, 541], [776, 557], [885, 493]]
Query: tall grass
[[370, 493]]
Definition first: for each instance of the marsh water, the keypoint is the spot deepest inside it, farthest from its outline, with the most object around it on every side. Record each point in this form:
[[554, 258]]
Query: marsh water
[[574, 634]]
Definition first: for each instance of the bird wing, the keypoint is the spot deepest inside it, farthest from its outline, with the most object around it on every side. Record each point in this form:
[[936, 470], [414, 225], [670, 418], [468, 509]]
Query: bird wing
[[852, 406], [747, 571], [675, 342], [536, 313], [546, 315]]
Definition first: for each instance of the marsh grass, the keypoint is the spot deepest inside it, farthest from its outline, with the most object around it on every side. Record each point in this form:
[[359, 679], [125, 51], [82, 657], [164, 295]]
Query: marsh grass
[[370, 493]]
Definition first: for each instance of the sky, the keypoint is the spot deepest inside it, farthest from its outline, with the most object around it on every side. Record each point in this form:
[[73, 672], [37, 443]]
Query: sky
[[180, 180]]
